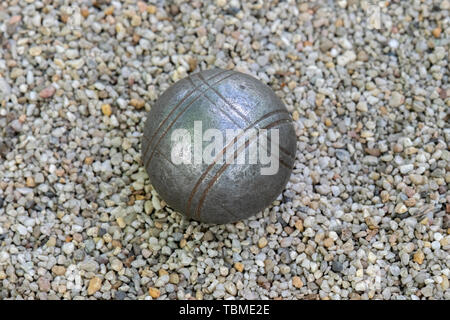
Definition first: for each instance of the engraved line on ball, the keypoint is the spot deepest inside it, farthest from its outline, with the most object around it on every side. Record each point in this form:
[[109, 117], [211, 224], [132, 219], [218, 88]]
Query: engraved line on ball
[[179, 115], [201, 94], [223, 111], [222, 152], [181, 173], [229, 104], [176, 107], [218, 174], [285, 151], [225, 166], [215, 105]]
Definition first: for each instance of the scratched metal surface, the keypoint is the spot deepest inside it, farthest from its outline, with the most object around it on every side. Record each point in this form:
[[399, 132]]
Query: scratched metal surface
[[223, 99]]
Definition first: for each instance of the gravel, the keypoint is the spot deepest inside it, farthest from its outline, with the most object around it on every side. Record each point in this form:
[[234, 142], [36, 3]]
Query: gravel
[[364, 215]]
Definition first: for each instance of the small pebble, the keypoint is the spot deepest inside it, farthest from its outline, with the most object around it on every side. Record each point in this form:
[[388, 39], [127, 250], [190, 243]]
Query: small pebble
[[297, 282], [419, 257], [106, 110], [94, 285], [262, 243], [154, 293], [396, 99], [47, 92]]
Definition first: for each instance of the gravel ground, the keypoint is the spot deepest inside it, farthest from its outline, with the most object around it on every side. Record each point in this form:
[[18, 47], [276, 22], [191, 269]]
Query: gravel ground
[[364, 216]]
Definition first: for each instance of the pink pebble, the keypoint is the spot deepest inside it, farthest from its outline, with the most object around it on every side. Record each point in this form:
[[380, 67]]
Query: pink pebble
[[47, 92], [14, 19]]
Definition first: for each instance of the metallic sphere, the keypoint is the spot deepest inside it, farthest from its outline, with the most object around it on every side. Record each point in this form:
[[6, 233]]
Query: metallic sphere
[[223, 190]]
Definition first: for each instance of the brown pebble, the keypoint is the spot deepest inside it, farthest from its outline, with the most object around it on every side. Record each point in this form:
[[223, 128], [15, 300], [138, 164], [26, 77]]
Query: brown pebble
[[262, 243], [94, 285], [328, 242], [314, 205], [299, 225], [288, 230], [373, 152], [384, 196], [239, 266], [151, 9], [136, 39], [437, 32], [116, 244], [398, 148], [30, 182], [192, 64], [60, 172], [159, 226], [400, 208], [174, 9], [154, 293], [411, 202], [109, 10], [85, 12], [106, 109], [64, 17], [297, 282], [319, 99], [174, 278], [121, 222], [162, 272], [419, 257], [59, 270], [137, 103]]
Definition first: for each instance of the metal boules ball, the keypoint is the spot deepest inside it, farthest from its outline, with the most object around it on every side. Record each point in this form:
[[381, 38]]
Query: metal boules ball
[[219, 146]]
